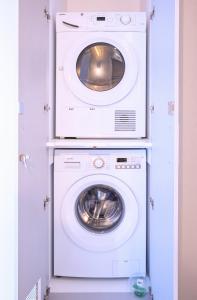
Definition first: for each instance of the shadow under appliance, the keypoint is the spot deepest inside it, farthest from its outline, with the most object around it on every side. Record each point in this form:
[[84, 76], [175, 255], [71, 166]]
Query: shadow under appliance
[[101, 75], [99, 213]]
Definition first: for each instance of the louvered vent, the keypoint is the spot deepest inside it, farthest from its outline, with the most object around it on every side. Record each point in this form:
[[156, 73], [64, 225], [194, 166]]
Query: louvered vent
[[125, 120], [35, 293]]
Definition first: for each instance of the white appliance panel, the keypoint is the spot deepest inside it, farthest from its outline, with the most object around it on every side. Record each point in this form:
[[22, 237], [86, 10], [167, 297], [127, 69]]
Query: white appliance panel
[[80, 251], [95, 109]]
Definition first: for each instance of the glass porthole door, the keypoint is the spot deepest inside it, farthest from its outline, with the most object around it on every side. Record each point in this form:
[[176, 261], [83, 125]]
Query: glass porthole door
[[99, 208], [96, 216], [100, 67]]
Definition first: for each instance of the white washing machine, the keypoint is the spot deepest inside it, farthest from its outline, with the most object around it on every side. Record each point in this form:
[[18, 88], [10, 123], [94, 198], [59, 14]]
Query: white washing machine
[[100, 213], [101, 75]]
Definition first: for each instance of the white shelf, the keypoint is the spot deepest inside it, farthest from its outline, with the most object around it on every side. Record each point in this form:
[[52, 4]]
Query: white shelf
[[97, 143]]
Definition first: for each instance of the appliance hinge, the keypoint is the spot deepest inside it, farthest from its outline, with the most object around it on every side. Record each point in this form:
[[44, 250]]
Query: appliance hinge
[[152, 108], [47, 293], [151, 294], [171, 108], [46, 14], [152, 202], [47, 107], [46, 201], [152, 13]]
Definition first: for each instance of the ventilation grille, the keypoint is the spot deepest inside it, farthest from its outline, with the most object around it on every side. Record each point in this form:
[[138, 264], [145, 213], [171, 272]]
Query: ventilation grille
[[35, 293], [125, 120]]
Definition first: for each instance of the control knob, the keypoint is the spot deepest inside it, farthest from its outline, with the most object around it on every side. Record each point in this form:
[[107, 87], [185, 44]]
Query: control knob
[[98, 163], [125, 20]]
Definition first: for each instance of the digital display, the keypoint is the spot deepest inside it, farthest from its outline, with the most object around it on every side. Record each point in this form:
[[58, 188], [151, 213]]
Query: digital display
[[100, 18], [122, 159]]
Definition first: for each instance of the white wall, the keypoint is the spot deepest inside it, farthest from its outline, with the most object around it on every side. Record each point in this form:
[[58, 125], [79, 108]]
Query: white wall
[[99, 5], [8, 149], [188, 149], [103, 5]]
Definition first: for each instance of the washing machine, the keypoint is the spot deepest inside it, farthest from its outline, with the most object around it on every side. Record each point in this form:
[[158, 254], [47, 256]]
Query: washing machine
[[101, 75], [100, 213]]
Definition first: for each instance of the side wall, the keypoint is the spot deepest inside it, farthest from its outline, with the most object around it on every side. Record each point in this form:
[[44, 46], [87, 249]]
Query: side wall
[[33, 135], [161, 95], [8, 149], [188, 159]]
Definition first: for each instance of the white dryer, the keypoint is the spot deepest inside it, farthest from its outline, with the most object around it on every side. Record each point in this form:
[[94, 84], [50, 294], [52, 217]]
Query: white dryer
[[100, 213], [101, 75]]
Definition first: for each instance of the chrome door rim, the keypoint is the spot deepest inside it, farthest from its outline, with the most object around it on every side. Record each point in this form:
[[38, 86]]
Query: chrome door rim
[[99, 208]]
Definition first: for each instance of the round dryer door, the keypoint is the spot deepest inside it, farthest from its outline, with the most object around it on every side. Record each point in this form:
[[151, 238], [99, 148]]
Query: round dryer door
[[99, 213], [100, 67], [101, 71]]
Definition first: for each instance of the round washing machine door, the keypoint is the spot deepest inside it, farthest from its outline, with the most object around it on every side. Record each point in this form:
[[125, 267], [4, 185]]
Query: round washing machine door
[[99, 213], [101, 71], [99, 208]]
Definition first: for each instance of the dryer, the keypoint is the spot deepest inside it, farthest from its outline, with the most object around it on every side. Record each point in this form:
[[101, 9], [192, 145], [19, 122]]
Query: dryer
[[101, 75], [100, 213]]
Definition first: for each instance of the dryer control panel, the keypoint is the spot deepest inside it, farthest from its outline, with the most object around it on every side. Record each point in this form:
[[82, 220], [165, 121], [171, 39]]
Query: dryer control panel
[[101, 21]]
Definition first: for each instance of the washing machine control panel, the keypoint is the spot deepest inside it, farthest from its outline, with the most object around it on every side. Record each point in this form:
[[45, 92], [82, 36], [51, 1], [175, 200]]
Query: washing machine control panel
[[118, 163], [73, 162]]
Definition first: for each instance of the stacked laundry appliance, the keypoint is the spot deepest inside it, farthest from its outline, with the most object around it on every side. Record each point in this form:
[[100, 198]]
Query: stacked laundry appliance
[[100, 194]]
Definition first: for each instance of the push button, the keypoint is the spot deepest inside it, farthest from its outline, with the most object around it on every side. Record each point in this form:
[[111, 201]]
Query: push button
[[118, 166]]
